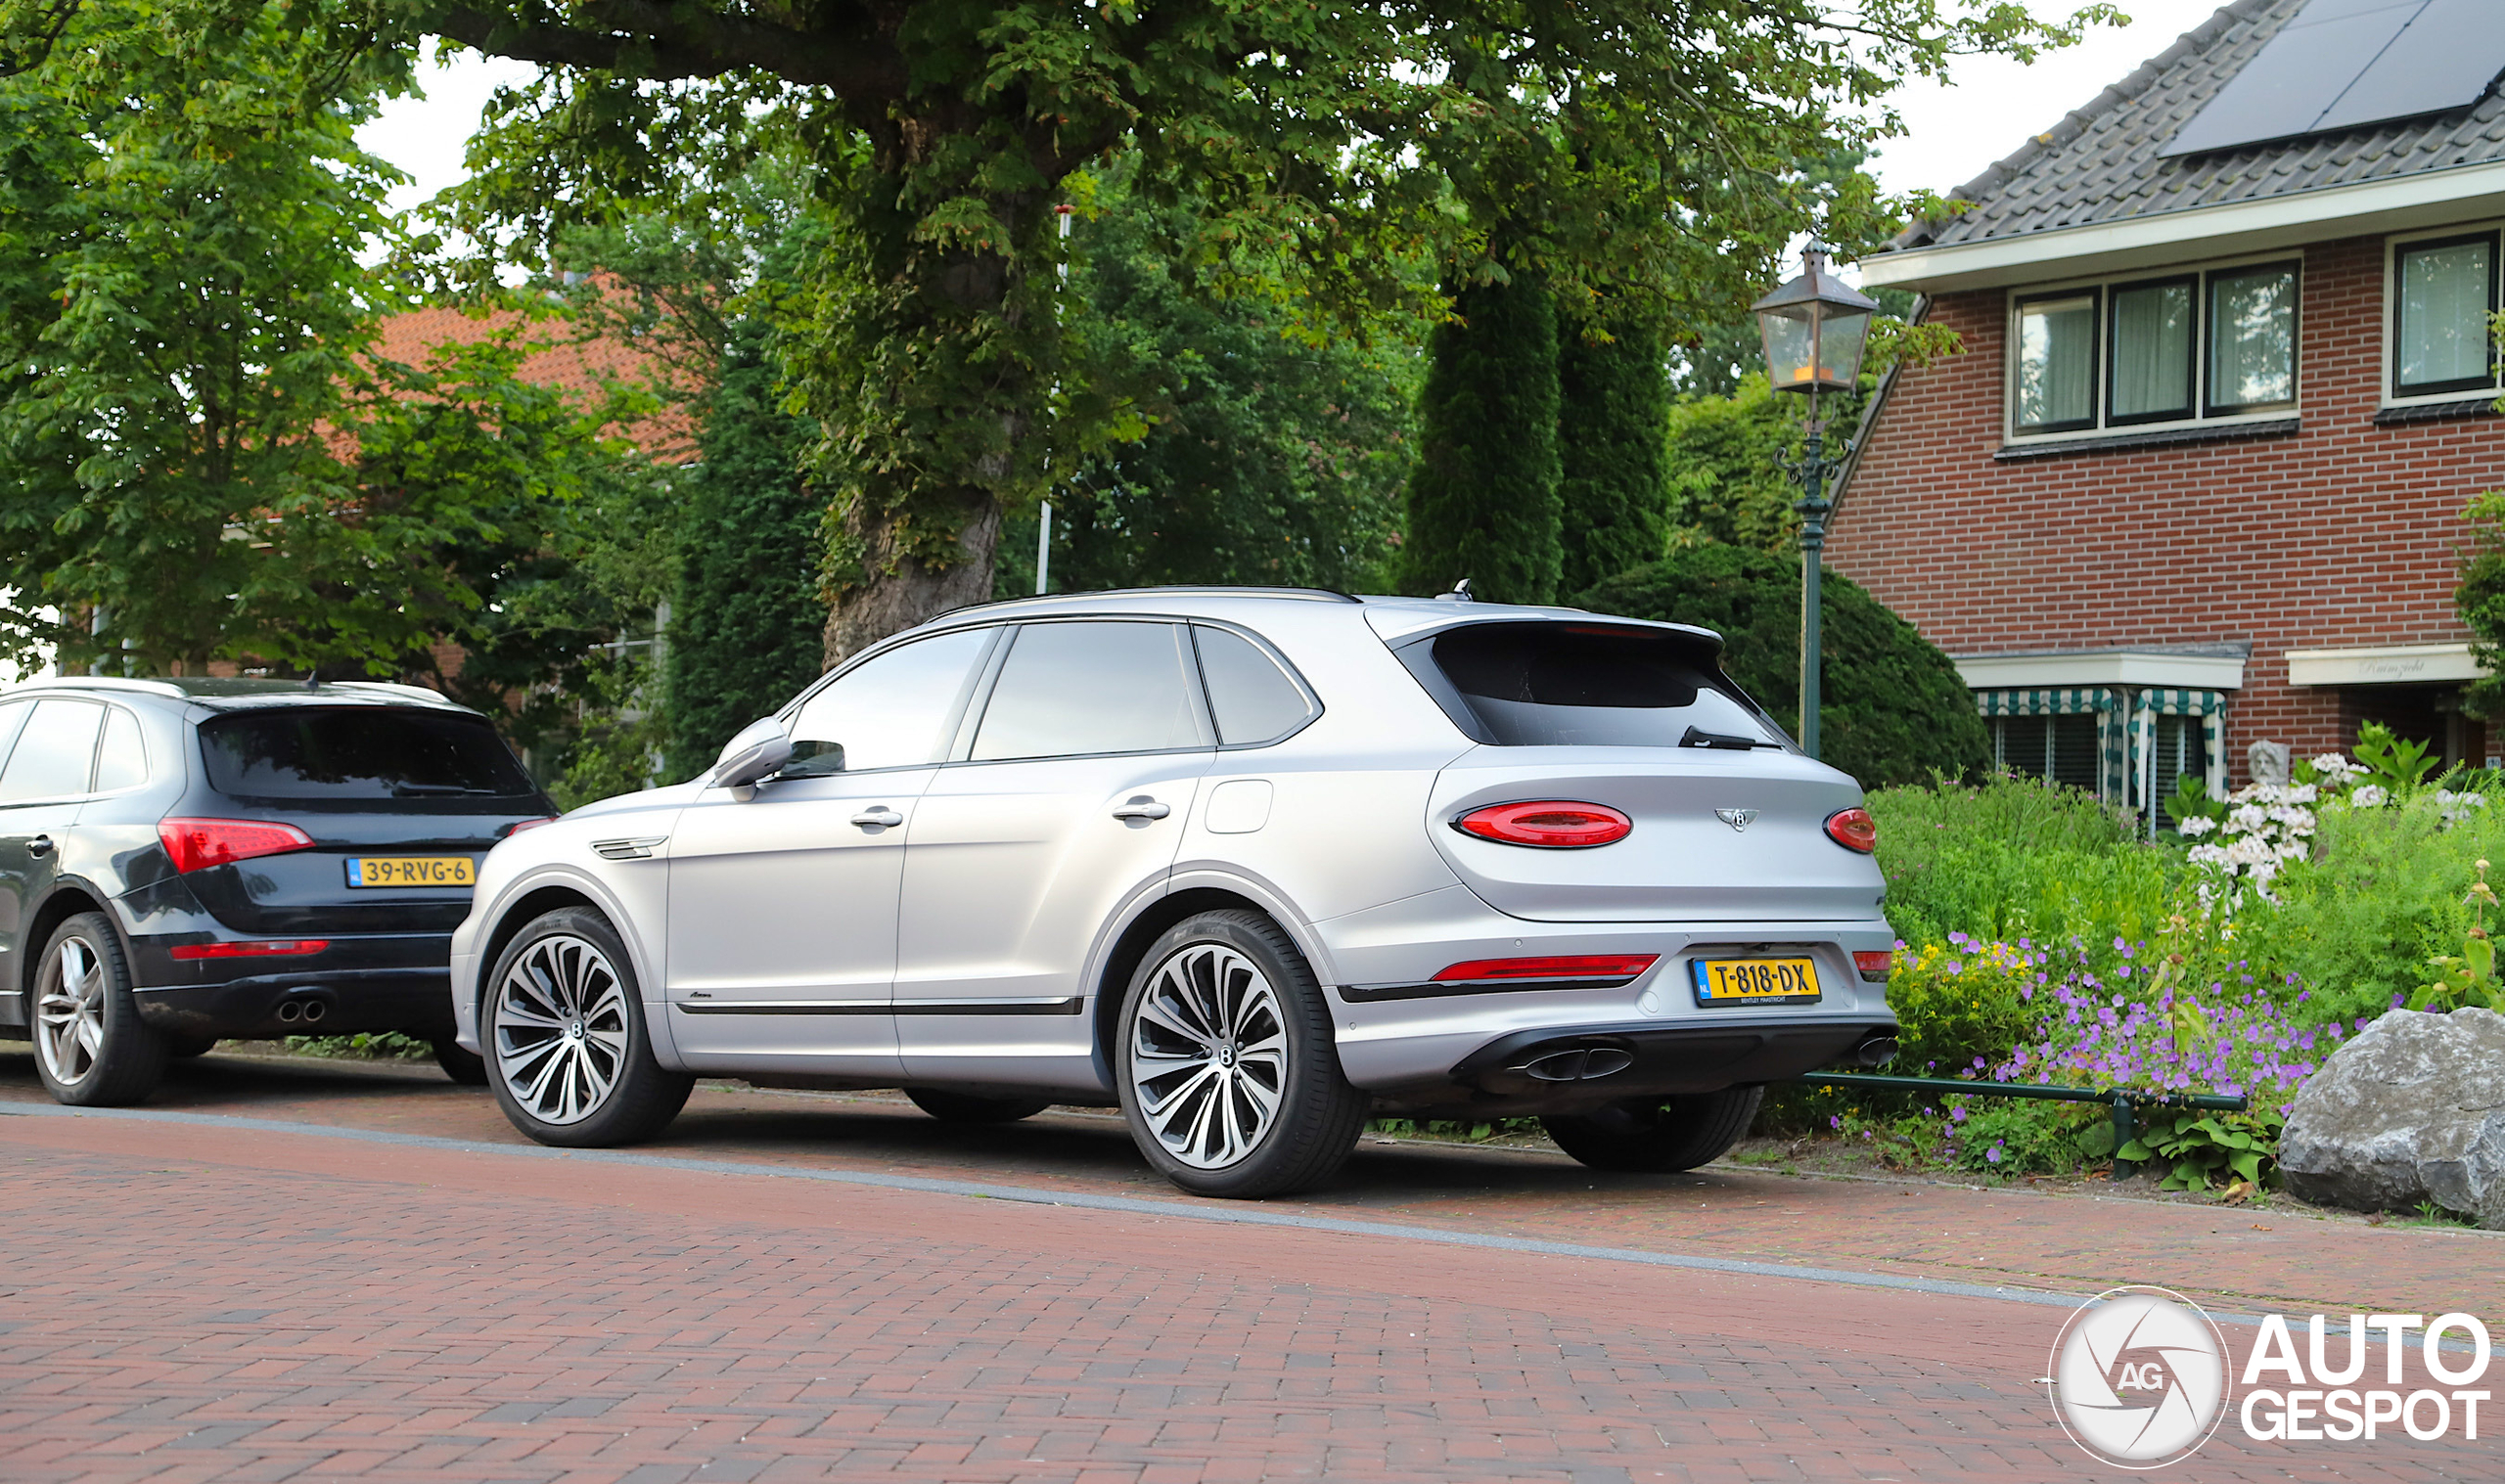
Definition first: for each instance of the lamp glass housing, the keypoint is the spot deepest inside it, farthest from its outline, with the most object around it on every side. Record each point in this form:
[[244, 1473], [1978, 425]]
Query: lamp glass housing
[[1815, 330]]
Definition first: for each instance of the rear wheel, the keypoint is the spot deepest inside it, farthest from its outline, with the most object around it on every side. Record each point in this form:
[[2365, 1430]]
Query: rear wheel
[[1228, 1071], [964, 1107], [91, 1047], [568, 1056], [184, 1048], [1652, 1135]]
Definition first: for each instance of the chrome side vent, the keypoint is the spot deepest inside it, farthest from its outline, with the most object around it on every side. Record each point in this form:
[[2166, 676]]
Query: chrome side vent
[[639, 849]]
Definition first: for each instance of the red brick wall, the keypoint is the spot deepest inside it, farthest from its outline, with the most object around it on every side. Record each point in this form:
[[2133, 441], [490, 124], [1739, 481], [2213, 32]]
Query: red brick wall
[[2342, 534]]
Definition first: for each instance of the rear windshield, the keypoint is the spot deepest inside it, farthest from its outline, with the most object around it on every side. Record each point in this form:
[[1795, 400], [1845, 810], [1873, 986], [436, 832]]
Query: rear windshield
[[1534, 685], [367, 754]]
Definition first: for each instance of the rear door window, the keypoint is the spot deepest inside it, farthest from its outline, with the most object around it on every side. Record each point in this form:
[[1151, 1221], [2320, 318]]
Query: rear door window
[[1072, 690], [1532, 685], [367, 754], [56, 753]]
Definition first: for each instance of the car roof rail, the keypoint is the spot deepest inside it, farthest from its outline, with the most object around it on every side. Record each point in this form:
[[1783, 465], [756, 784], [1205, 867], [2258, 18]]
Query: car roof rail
[[1161, 590], [99, 683]]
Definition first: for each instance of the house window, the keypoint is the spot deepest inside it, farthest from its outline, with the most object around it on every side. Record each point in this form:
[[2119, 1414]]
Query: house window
[[2059, 749], [2443, 296], [2179, 749], [2218, 344]]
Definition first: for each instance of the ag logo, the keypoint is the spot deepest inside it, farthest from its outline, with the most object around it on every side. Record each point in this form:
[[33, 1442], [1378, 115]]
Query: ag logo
[[2139, 1377], [1737, 818]]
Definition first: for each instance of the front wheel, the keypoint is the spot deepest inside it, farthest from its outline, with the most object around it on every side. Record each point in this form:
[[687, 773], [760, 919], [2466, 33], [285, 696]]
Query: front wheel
[[91, 1047], [1227, 1068], [1657, 1135], [568, 1056]]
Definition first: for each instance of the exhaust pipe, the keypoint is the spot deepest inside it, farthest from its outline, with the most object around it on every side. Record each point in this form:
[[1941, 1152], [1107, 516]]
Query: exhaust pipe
[[1579, 1065], [1878, 1051], [316, 1009], [290, 1010]]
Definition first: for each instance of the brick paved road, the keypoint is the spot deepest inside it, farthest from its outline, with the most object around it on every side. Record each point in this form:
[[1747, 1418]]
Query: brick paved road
[[205, 1301]]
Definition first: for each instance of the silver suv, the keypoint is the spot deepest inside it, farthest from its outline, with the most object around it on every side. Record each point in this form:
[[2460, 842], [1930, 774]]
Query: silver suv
[[1248, 863]]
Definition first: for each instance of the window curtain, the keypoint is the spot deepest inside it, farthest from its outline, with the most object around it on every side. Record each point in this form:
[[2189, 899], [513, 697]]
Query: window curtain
[[2443, 315], [2152, 351], [2252, 338], [2057, 363]]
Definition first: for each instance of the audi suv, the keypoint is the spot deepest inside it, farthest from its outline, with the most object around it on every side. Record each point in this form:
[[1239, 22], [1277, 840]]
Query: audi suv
[[187, 860], [1248, 863]]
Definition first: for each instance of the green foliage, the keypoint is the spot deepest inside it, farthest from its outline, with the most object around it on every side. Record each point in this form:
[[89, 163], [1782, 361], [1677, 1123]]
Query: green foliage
[[1644, 154], [746, 618], [2381, 898], [1724, 460], [2467, 977], [364, 1046], [1269, 453], [1959, 1011], [2481, 601], [2191, 800], [2390, 761], [2201, 1150], [2011, 858], [2024, 1136], [1892, 708], [1483, 500], [1613, 400]]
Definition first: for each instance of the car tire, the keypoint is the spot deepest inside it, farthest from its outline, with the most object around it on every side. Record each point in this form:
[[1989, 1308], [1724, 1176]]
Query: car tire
[[467, 1068], [965, 1108], [184, 1048], [1226, 1062], [91, 1047], [1656, 1136], [568, 1054]]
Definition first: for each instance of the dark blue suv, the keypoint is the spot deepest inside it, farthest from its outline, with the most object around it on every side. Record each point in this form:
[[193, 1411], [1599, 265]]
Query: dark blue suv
[[183, 861]]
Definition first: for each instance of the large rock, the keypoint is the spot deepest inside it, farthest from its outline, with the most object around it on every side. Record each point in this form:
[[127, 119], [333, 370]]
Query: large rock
[[2412, 1111]]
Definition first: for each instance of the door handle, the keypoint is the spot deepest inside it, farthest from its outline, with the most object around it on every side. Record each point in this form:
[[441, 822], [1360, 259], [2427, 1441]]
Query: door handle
[[878, 815], [40, 845], [1141, 807]]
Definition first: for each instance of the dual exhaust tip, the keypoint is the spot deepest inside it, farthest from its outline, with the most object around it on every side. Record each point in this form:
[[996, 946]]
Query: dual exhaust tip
[[303, 1011], [1590, 1064]]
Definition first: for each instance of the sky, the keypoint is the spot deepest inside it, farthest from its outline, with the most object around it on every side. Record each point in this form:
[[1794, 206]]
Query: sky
[[1953, 132]]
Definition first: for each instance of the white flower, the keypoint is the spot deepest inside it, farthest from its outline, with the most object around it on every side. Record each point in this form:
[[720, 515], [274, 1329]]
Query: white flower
[[2196, 827], [2368, 795]]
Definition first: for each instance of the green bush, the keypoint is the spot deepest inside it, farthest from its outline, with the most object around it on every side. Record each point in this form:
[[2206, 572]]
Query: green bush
[[2011, 859], [2383, 892], [1892, 707], [1961, 1012]]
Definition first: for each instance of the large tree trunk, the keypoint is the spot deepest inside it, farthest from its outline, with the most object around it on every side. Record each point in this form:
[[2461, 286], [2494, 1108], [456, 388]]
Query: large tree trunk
[[902, 589]]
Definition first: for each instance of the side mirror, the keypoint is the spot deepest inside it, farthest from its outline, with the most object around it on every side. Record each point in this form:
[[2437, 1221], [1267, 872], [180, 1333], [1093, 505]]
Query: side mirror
[[760, 747]]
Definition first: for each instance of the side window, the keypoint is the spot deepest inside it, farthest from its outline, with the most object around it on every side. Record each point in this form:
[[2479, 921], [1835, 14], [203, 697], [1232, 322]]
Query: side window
[[1252, 699], [12, 719], [123, 761], [56, 753], [1072, 688], [893, 712]]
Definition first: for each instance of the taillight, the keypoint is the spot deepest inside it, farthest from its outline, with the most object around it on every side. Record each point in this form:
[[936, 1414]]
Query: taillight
[[1553, 824], [198, 844], [1874, 963], [1614, 968], [1853, 829], [259, 948], [519, 825]]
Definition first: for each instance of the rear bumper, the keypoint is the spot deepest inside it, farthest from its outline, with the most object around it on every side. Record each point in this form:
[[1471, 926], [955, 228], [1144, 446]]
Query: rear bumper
[[1550, 1072], [396, 982]]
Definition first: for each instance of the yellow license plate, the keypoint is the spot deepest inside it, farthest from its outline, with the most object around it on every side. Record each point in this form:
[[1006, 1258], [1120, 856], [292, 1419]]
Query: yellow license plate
[[412, 871], [1755, 981]]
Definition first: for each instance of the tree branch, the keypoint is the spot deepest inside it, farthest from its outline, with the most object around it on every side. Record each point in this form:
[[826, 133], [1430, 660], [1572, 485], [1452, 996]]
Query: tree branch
[[641, 38]]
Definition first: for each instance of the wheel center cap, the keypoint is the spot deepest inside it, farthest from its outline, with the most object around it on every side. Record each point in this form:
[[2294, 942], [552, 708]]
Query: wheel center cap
[[1226, 1055], [575, 1028]]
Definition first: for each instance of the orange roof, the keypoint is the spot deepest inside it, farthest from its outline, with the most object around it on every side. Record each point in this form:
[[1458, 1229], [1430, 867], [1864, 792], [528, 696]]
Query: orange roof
[[574, 365]]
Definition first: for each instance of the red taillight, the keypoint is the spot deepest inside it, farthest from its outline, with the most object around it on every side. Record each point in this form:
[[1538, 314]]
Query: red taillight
[[1550, 824], [264, 948], [1874, 963], [519, 825], [1617, 967], [1853, 829], [198, 844]]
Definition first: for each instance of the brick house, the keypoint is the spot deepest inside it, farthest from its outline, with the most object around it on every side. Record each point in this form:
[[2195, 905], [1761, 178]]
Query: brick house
[[2196, 480]]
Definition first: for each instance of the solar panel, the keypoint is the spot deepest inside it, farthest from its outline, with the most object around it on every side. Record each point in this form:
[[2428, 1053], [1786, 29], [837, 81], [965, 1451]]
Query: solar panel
[[2344, 64], [2445, 58]]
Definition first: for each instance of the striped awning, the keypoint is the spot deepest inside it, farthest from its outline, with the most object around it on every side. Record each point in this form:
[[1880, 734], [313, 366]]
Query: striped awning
[[2065, 702]]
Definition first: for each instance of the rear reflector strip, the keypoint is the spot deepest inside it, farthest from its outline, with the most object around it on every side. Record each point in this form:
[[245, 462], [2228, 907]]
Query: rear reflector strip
[[1613, 969], [1874, 963], [258, 948]]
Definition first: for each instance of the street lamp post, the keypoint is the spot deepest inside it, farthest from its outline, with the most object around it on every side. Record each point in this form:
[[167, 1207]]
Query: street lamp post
[[1814, 331]]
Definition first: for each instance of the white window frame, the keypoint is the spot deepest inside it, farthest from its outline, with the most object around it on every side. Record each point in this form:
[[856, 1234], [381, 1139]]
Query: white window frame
[[2386, 363], [2102, 287]]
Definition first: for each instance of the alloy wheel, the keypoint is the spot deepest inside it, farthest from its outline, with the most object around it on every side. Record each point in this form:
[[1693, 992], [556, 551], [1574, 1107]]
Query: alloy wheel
[[69, 1012], [1208, 1055], [560, 1029]]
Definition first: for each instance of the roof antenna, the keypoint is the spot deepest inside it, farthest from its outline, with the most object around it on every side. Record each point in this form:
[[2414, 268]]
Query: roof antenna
[[313, 678], [1460, 593]]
